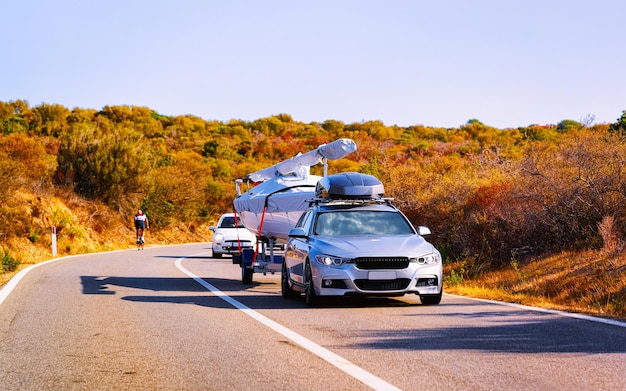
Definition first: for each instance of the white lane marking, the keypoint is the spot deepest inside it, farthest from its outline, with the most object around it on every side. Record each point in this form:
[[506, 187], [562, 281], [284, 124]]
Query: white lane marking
[[8, 288], [351, 369]]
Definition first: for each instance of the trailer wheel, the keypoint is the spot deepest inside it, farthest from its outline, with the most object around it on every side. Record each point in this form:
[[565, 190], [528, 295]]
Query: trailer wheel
[[246, 275]]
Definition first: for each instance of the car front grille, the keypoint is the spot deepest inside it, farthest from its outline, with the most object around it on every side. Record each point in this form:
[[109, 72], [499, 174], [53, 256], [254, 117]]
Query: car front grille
[[377, 263], [235, 245], [383, 285], [234, 242]]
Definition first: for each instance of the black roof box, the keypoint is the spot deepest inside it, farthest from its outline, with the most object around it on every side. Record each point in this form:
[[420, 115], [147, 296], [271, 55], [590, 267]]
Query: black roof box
[[349, 185]]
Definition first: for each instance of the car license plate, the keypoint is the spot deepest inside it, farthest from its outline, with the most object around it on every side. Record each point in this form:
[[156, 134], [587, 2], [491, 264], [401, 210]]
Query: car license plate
[[379, 275]]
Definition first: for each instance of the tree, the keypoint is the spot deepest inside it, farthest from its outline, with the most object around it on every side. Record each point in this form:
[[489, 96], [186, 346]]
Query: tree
[[48, 119], [28, 161], [568, 124], [588, 120], [12, 117], [619, 127], [210, 148], [179, 192], [106, 165]]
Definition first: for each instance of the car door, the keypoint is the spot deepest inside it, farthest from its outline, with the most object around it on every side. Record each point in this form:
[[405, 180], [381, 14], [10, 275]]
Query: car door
[[297, 249]]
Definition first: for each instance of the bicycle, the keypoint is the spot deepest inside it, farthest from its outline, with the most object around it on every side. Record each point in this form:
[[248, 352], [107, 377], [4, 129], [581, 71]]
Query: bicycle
[[140, 241]]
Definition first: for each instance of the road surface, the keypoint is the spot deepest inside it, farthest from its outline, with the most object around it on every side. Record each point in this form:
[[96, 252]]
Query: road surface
[[173, 318]]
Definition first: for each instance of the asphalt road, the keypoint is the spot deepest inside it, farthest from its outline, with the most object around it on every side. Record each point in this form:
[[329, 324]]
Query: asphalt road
[[173, 318]]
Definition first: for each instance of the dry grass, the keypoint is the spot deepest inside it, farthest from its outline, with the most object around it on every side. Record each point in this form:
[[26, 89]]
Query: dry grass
[[591, 282]]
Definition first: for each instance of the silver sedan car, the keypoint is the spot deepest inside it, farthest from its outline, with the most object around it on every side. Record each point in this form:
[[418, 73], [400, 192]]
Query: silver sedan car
[[359, 247]]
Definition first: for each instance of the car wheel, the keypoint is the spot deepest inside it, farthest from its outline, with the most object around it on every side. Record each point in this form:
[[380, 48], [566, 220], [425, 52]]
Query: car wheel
[[246, 275], [310, 298], [216, 255], [285, 289], [431, 299]]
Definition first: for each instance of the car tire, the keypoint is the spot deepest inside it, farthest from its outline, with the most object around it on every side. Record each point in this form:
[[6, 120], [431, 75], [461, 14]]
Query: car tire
[[310, 298], [285, 289], [216, 255], [431, 299]]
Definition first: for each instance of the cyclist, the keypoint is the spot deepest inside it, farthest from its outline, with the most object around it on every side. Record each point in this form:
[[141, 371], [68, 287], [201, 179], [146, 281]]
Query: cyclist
[[141, 223]]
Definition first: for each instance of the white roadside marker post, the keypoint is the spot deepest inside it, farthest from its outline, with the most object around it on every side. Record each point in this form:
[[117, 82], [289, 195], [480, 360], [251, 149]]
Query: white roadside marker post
[[53, 231]]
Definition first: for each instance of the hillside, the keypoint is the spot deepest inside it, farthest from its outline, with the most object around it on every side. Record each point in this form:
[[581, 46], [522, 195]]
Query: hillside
[[533, 211], [82, 227]]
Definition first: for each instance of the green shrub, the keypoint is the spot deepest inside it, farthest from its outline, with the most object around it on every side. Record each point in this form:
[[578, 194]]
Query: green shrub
[[9, 263], [455, 278]]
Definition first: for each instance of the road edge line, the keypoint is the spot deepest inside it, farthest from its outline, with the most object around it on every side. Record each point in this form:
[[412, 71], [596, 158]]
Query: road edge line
[[574, 315], [346, 366]]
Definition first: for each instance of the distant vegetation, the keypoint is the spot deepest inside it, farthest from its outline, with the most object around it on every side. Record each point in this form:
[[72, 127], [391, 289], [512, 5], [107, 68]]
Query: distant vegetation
[[491, 196]]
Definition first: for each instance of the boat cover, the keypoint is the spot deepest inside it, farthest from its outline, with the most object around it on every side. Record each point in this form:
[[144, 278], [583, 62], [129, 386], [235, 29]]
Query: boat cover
[[271, 208], [332, 151], [284, 200]]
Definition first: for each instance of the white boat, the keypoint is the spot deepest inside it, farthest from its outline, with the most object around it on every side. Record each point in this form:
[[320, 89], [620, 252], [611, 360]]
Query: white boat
[[280, 194]]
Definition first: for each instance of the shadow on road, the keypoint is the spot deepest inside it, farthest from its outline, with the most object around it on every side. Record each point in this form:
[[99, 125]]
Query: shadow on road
[[545, 333], [258, 295]]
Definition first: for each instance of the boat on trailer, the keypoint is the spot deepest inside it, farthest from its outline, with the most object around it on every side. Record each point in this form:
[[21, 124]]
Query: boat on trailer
[[270, 202], [278, 195]]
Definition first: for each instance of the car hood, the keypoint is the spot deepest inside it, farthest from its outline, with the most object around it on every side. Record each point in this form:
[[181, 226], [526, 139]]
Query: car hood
[[361, 246]]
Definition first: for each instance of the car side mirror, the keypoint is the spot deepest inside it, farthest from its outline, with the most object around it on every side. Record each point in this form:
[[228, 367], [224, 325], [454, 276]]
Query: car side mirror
[[422, 231], [297, 233], [212, 228]]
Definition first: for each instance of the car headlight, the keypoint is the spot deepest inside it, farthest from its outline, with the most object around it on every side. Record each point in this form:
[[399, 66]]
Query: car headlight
[[427, 259], [217, 238], [329, 260]]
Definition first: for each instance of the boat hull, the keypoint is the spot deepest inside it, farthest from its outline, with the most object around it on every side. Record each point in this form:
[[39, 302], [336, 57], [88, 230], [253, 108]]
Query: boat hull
[[273, 207]]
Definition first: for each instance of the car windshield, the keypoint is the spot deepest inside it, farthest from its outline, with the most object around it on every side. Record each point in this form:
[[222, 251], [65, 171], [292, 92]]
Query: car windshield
[[338, 223], [229, 222]]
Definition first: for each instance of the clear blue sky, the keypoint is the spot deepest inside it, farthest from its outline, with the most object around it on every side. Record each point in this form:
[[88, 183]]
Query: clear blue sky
[[507, 63]]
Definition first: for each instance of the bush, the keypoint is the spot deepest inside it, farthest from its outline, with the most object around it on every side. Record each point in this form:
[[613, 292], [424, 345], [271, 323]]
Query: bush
[[9, 263], [611, 240], [454, 278]]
